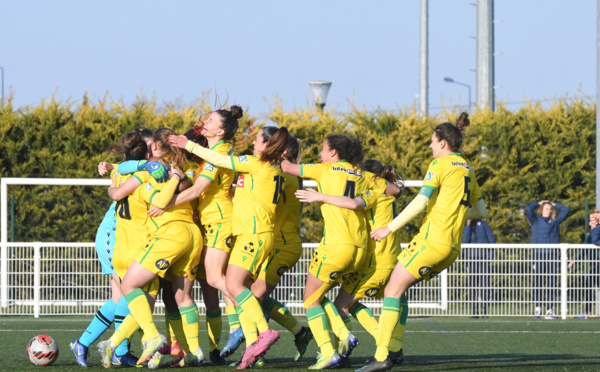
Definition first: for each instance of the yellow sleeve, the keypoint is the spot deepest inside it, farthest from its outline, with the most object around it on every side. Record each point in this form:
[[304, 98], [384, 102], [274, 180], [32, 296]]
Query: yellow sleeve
[[160, 198], [415, 207], [210, 156], [314, 171]]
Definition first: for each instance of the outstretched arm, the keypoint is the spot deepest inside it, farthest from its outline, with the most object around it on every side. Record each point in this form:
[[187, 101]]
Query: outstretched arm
[[213, 157], [118, 193], [288, 167], [415, 207], [311, 196]]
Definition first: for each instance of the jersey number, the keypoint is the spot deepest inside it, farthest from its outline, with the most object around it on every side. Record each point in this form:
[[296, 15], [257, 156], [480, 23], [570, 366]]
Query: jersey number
[[350, 189], [123, 208], [467, 200], [279, 180]]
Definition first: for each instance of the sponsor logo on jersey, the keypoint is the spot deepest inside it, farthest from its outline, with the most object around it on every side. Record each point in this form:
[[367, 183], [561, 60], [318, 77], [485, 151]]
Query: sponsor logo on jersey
[[334, 275], [240, 181], [371, 292], [462, 164], [162, 264], [243, 159], [355, 172], [209, 167], [148, 187], [424, 270], [429, 176], [282, 270], [230, 152]]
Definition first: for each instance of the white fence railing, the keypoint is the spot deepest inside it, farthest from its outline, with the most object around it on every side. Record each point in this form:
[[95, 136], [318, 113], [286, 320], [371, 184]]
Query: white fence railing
[[487, 280]]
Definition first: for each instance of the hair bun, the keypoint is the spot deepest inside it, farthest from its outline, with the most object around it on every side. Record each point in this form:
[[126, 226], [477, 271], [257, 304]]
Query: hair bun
[[463, 121], [236, 111]]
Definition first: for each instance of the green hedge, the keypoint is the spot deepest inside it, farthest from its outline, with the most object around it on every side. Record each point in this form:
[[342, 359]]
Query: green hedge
[[519, 156]]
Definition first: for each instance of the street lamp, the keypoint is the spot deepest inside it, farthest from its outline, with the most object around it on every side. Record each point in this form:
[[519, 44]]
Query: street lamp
[[319, 91], [450, 80]]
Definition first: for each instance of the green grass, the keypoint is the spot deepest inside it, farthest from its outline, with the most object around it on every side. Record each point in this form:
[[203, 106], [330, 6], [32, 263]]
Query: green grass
[[430, 344]]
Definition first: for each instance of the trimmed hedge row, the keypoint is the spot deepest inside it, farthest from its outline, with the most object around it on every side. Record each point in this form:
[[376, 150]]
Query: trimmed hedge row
[[519, 156]]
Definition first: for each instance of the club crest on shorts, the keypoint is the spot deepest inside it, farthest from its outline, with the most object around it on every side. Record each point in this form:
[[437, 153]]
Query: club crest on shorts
[[282, 270], [249, 248], [346, 276], [424, 270], [195, 270], [228, 242], [334, 275], [433, 274], [162, 264], [371, 292]]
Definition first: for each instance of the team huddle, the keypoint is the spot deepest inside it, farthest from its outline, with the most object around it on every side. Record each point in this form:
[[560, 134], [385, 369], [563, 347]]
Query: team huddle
[[176, 218]]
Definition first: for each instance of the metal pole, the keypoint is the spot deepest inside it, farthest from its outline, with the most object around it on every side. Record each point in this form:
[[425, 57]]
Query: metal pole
[[12, 218], [485, 54], [597, 104], [424, 62]]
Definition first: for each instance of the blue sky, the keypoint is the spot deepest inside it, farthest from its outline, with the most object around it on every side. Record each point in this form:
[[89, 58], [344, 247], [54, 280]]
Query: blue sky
[[254, 51]]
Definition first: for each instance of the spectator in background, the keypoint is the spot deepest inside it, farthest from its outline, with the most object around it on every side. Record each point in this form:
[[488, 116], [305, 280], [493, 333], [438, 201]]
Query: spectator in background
[[478, 262], [545, 229], [590, 257]]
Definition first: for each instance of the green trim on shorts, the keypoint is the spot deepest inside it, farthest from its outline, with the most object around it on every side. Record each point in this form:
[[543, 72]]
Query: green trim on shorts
[[216, 238], [372, 216], [319, 271], [256, 255], [269, 263], [220, 211], [283, 237], [413, 257], [149, 249], [427, 233], [355, 287], [254, 217]]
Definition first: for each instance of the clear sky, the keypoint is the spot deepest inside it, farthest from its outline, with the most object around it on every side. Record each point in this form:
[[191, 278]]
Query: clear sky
[[254, 51]]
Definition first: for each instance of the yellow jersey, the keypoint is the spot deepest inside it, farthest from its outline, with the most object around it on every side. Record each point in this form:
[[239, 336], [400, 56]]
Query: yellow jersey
[[257, 193], [288, 210], [131, 214], [451, 187], [342, 226], [215, 204], [380, 210]]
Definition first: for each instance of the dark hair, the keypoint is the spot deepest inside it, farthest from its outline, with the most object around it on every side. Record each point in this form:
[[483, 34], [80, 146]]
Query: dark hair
[[277, 141], [292, 149], [231, 121], [132, 147], [175, 154], [144, 132], [195, 136], [453, 134], [347, 148], [387, 172]]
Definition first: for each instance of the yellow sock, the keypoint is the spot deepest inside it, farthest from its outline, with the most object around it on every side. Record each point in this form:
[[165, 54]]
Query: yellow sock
[[232, 318], [390, 314], [190, 325], [126, 330], [366, 319], [176, 326], [337, 323], [317, 321], [252, 308], [140, 310], [281, 315], [248, 326], [170, 335], [214, 323], [398, 334]]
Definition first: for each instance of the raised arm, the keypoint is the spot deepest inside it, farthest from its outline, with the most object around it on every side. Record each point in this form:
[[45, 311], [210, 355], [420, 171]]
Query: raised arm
[[563, 211], [311, 196], [213, 157], [288, 167], [118, 193]]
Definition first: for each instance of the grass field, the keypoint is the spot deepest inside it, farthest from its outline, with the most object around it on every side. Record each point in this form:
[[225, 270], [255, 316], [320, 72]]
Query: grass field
[[430, 344]]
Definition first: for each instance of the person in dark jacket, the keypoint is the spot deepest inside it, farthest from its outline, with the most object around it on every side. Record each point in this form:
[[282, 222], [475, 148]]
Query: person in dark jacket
[[591, 265], [545, 229], [478, 263]]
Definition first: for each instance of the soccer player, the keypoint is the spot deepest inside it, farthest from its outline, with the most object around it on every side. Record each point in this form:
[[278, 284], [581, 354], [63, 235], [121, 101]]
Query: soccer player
[[212, 185], [173, 249], [372, 277], [287, 252], [344, 243], [131, 147], [258, 190], [449, 190]]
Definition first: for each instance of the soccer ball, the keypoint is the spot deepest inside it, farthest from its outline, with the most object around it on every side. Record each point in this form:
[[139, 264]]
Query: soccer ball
[[42, 350]]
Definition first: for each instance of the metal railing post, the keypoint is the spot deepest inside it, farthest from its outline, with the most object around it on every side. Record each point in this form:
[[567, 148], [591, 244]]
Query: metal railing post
[[36, 280], [563, 282]]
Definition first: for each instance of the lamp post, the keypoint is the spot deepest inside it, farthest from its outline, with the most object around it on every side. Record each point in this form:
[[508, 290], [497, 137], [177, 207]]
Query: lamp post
[[320, 89], [450, 80]]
